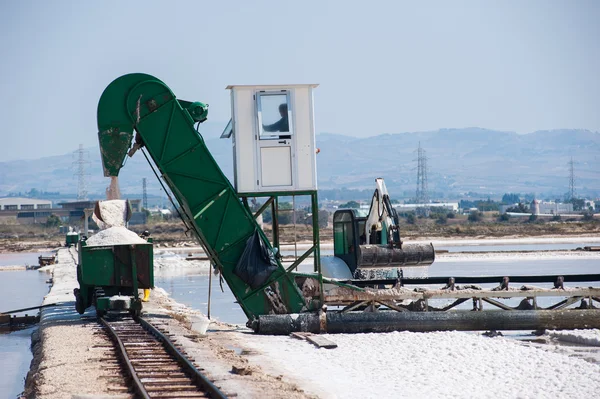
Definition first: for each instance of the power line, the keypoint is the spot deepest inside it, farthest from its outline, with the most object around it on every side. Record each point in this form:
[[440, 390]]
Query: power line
[[81, 162], [571, 179], [422, 194], [144, 194]]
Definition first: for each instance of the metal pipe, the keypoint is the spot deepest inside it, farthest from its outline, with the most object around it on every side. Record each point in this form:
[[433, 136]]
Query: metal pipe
[[377, 256], [32, 308], [294, 217], [275, 223], [387, 321], [210, 273]]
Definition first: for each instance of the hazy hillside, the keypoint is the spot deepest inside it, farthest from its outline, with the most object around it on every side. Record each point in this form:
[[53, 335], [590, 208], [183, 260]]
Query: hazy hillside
[[462, 160], [459, 160]]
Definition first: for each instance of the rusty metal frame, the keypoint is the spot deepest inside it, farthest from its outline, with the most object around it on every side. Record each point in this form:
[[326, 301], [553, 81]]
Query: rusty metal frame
[[355, 297]]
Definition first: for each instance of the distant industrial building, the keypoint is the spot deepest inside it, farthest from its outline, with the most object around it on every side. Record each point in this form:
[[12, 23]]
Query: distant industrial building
[[538, 207], [33, 211], [17, 203], [555, 208], [590, 204], [18, 209], [449, 206]]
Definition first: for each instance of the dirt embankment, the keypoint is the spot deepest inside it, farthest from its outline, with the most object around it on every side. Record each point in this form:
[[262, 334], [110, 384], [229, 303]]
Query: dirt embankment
[[465, 229], [170, 233], [21, 238], [18, 238]]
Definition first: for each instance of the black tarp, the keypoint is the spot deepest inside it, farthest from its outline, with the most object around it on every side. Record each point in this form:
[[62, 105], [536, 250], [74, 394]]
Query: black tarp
[[257, 262]]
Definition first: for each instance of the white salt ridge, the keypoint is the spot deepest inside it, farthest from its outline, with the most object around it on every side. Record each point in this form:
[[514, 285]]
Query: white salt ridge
[[115, 236], [174, 265], [583, 337], [426, 365]]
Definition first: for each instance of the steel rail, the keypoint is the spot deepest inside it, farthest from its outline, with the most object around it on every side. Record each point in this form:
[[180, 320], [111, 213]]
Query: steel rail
[[196, 375], [138, 386]]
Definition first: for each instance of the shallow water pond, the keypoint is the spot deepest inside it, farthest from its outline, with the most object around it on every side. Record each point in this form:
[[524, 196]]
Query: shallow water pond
[[18, 289]]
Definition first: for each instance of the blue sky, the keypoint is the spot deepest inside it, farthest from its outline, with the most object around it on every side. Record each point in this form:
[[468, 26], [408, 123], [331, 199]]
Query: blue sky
[[383, 66]]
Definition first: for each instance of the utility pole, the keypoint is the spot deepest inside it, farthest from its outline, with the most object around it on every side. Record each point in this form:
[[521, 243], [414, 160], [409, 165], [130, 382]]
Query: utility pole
[[571, 180], [82, 159], [422, 194], [144, 194]]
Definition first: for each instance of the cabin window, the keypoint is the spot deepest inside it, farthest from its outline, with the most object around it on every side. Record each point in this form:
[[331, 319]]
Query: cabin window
[[274, 115]]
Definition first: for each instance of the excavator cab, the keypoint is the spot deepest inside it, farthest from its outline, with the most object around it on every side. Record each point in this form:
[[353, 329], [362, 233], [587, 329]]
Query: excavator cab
[[369, 241], [348, 235]]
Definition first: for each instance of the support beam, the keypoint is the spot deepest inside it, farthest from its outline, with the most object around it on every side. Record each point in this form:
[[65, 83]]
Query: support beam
[[300, 259], [263, 207], [496, 303]]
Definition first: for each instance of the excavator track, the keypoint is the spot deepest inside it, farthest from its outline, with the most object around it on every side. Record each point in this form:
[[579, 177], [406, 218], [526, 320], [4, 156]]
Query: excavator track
[[155, 366]]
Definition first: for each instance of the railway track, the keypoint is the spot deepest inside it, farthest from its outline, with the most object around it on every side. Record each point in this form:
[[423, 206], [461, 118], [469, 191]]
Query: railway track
[[156, 368]]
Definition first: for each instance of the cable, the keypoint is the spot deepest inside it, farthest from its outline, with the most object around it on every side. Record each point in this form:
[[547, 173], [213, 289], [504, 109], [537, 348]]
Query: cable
[[183, 220], [165, 189]]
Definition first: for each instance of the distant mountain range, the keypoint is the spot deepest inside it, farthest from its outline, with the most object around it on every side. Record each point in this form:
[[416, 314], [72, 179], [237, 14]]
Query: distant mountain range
[[460, 161]]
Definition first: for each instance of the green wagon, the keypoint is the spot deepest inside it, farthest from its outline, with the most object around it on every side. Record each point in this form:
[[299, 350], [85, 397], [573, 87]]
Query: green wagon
[[71, 239], [109, 276]]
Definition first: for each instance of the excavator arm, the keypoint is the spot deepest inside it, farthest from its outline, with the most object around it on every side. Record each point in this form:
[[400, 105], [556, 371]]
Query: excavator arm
[[144, 105]]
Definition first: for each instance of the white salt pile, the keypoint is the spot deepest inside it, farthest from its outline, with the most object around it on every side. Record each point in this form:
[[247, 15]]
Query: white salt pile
[[115, 236], [113, 212]]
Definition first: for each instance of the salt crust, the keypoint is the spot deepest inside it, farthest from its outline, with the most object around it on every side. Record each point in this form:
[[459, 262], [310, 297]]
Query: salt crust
[[426, 365]]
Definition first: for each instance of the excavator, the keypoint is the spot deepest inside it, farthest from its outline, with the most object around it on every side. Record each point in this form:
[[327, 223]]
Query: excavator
[[369, 243], [359, 289]]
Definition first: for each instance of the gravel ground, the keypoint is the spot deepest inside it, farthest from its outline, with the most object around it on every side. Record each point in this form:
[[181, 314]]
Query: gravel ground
[[70, 355]]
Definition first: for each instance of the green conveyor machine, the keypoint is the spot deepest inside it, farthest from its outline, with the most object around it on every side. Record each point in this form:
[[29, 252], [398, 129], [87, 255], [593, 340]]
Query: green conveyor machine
[[209, 205], [279, 300]]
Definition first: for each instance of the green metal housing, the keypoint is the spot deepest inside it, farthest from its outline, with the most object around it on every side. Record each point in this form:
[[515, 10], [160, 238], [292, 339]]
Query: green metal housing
[[104, 271], [209, 204]]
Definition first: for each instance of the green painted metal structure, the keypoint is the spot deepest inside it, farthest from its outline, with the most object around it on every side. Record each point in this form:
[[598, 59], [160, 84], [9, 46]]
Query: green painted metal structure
[[209, 204]]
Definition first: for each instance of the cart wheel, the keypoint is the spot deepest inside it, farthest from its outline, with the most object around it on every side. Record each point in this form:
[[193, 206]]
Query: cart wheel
[[135, 313], [79, 305], [100, 313]]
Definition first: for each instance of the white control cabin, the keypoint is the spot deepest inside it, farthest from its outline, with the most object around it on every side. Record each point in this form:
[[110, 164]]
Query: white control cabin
[[273, 133]]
